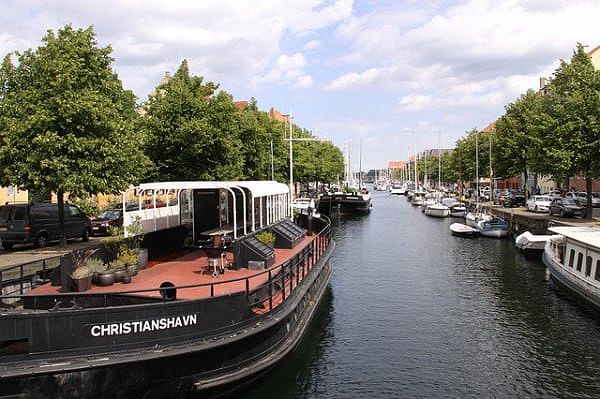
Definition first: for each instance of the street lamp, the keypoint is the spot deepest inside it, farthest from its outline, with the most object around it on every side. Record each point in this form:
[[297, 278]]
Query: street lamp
[[291, 140]]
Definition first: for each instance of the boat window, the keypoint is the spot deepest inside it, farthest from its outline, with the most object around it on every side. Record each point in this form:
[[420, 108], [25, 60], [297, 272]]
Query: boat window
[[597, 273], [571, 257], [579, 261], [588, 266]]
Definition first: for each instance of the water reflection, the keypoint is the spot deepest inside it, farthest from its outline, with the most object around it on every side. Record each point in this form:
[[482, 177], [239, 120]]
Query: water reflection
[[419, 313]]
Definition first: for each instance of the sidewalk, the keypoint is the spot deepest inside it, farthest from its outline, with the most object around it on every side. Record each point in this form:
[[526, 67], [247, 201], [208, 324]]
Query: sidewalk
[[28, 253]]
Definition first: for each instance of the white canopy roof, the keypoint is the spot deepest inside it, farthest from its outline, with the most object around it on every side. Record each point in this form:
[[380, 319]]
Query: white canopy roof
[[584, 234], [258, 188]]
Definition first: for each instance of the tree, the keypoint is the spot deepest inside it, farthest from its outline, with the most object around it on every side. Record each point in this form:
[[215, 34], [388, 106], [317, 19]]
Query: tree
[[193, 133], [517, 137], [66, 123], [572, 119]]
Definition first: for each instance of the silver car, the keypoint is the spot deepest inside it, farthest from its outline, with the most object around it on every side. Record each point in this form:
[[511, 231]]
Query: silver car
[[539, 203]]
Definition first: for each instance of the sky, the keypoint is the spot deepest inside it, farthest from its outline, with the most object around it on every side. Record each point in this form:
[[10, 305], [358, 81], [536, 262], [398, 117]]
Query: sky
[[389, 76]]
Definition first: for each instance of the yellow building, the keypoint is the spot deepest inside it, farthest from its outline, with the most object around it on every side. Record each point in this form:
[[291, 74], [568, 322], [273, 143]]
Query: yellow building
[[12, 194]]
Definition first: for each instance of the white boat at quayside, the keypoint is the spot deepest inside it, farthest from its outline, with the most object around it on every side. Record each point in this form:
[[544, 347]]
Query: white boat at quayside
[[573, 261], [437, 210], [535, 243], [462, 230], [495, 227]]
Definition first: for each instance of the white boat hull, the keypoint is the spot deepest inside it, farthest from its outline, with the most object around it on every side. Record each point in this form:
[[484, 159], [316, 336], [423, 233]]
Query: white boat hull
[[493, 227], [437, 211], [462, 230], [569, 280], [532, 242]]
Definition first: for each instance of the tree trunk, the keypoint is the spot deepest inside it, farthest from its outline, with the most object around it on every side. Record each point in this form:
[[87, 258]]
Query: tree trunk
[[61, 218], [588, 189]]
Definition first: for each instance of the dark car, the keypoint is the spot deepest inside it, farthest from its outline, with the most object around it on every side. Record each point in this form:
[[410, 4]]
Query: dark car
[[38, 223], [514, 198], [565, 207], [108, 219]]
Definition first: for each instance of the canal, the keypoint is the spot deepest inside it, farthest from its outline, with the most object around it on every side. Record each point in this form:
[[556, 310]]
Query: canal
[[413, 312]]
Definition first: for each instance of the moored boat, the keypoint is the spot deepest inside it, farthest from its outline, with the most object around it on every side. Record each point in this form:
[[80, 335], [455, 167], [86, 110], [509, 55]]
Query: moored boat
[[494, 227], [437, 210], [533, 243], [345, 202], [573, 261], [225, 308], [462, 230]]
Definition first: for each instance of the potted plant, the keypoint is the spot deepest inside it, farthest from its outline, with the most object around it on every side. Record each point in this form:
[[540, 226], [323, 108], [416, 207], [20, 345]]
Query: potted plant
[[96, 266], [128, 259], [82, 278], [266, 237]]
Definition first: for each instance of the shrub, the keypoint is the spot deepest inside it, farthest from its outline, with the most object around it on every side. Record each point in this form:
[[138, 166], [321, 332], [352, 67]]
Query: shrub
[[266, 237]]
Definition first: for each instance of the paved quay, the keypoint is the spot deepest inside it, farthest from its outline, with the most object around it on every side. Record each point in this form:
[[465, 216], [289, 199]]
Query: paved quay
[[27, 253]]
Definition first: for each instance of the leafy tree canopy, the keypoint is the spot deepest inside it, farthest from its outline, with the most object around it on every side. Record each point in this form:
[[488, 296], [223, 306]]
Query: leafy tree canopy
[[66, 123]]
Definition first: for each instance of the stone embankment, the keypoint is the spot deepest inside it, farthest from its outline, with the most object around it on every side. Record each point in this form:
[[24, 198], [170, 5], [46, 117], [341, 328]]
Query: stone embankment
[[521, 220]]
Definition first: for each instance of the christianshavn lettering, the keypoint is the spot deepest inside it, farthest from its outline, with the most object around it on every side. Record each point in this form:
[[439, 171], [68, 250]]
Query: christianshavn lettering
[[143, 326]]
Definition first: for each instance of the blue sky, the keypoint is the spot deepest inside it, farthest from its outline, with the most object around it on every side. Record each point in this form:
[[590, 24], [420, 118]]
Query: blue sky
[[392, 74]]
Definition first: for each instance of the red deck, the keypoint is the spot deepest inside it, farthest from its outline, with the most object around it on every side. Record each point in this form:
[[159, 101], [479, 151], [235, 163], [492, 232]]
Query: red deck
[[190, 269]]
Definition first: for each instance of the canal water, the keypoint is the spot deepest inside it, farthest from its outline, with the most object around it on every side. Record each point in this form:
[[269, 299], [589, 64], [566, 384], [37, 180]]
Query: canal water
[[413, 312]]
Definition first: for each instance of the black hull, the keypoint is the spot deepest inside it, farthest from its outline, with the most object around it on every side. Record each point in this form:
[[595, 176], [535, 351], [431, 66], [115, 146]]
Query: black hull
[[342, 205], [208, 367]]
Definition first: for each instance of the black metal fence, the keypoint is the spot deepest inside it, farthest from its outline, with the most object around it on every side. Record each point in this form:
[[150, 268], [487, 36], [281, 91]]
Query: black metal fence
[[280, 281]]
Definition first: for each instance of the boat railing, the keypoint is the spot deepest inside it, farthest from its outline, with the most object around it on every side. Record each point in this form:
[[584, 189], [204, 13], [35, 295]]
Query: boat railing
[[279, 282]]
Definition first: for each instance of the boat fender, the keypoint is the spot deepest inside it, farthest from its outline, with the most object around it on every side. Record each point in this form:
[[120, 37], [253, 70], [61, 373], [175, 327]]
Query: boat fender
[[168, 291]]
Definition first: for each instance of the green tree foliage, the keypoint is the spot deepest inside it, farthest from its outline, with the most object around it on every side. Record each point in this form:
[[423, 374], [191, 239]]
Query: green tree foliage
[[193, 133], [66, 123], [517, 144], [572, 119]]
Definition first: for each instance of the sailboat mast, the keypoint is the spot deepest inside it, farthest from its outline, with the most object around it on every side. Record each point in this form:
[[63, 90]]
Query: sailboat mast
[[477, 168], [439, 162], [491, 171], [360, 167]]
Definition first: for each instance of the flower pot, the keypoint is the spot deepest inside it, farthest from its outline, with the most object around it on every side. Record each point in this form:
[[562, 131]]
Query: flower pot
[[119, 274], [131, 270], [142, 258], [82, 284], [106, 279]]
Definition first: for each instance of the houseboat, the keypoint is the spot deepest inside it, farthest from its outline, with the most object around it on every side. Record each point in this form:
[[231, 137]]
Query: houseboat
[[214, 311], [357, 202], [572, 256]]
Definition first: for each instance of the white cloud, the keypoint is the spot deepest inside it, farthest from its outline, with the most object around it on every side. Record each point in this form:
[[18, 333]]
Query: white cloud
[[357, 80], [311, 45], [288, 70]]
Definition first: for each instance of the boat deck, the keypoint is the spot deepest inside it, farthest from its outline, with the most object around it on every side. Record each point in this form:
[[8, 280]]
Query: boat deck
[[189, 269]]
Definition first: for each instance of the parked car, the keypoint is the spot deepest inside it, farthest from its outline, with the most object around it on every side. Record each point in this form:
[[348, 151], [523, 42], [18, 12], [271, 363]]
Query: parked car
[[38, 224], [539, 203], [565, 207], [582, 199], [102, 224], [514, 198], [499, 198]]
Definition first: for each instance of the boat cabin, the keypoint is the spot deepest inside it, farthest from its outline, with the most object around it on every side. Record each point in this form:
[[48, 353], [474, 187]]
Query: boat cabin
[[578, 249], [206, 209]]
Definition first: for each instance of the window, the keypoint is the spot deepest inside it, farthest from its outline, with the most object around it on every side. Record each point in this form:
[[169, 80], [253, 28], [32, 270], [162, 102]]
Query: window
[[588, 266], [579, 261], [597, 273], [571, 257], [19, 213], [74, 211]]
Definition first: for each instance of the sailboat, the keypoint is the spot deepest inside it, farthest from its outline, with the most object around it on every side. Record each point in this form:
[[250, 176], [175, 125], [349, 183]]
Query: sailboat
[[437, 209], [357, 201], [418, 196], [488, 225], [473, 217]]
